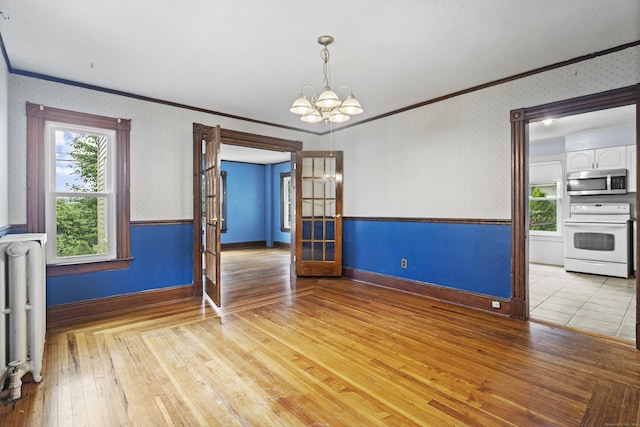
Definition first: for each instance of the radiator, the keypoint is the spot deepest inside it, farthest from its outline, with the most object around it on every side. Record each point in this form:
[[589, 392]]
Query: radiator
[[22, 309]]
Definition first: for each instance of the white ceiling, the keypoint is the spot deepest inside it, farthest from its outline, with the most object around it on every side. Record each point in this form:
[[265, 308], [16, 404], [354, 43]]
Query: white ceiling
[[610, 118], [250, 58], [236, 153]]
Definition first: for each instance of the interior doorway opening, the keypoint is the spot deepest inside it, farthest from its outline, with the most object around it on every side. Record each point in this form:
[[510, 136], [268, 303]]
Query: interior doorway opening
[[593, 291], [520, 122], [240, 144]]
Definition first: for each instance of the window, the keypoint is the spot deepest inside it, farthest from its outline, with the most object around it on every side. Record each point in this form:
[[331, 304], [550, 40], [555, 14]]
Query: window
[[223, 202], [545, 194], [285, 201], [78, 189], [79, 193], [543, 207]]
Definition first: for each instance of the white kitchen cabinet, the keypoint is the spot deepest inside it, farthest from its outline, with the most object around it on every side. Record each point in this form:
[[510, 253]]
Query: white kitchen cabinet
[[599, 158], [632, 168]]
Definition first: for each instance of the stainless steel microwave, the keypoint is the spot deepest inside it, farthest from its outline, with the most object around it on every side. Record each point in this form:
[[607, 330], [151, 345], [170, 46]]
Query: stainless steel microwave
[[597, 181]]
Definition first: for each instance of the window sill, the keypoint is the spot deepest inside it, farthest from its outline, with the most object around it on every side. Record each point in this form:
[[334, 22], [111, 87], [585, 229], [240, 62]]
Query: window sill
[[89, 267]]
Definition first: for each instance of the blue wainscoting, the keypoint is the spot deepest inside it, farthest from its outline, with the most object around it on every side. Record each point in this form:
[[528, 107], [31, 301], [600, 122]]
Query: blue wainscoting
[[163, 257], [469, 257]]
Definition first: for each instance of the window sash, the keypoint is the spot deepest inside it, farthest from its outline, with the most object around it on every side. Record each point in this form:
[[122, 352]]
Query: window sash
[[555, 198], [285, 201], [52, 195]]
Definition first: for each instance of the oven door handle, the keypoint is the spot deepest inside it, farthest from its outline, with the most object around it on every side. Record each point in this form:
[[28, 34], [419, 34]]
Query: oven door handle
[[591, 224]]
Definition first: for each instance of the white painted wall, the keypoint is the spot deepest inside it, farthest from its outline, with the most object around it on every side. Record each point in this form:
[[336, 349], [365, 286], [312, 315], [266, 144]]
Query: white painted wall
[[161, 144], [4, 147], [452, 159]]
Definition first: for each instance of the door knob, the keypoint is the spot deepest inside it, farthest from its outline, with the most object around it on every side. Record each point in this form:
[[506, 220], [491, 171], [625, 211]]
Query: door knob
[[337, 216]]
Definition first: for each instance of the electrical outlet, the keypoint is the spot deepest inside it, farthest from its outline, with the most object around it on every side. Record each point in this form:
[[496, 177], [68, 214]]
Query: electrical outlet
[[495, 304], [403, 262]]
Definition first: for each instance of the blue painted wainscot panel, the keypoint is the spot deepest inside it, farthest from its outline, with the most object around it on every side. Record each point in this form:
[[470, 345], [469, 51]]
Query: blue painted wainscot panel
[[470, 257], [163, 257]]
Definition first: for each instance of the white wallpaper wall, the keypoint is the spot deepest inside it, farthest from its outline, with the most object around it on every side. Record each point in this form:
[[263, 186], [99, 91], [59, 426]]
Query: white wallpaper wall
[[161, 141], [452, 159], [4, 148]]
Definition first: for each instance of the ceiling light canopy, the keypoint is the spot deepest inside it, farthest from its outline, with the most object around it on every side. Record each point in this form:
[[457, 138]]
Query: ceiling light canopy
[[327, 106]]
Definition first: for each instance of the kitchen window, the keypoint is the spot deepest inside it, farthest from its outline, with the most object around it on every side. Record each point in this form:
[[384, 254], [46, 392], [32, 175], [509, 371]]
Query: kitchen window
[[545, 197]]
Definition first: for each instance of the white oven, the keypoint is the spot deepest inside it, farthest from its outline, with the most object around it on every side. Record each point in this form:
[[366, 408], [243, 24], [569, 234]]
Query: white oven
[[598, 239]]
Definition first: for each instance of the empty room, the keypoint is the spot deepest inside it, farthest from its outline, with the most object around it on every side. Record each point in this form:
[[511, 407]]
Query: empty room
[[335, 214]]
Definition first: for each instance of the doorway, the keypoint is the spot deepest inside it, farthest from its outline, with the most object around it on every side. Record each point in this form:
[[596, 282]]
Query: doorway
[[520, 121], [237, 139], [592, 295]]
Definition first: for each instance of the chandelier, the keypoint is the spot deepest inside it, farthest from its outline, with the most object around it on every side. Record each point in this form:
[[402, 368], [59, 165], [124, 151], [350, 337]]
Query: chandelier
[[328, 106]]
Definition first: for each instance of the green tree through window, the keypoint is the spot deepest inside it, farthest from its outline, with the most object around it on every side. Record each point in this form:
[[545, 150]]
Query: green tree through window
[[79, 219], [542, 211]]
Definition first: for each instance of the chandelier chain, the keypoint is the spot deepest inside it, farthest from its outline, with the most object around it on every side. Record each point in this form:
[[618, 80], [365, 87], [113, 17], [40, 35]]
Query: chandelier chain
[[324, 54]]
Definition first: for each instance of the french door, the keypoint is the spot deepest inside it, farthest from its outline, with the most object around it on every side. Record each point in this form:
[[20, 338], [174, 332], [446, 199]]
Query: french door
[[211, 215], [319, 213]]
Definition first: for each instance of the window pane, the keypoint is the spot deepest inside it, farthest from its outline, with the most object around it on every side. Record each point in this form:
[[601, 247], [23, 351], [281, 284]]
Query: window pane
[[81, 224], [81, 162], [307, 167], [306, 230], [330, 230], [543, 190], [306, 251], [543, 215], [318, 230], [285, 208], [307, 208], [318, 188], [331, 167], [330, 254]]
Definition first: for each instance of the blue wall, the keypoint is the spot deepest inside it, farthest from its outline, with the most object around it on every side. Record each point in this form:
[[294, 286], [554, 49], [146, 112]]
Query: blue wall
[[470, 257], [253, 203], [245, 203], [163, 257]]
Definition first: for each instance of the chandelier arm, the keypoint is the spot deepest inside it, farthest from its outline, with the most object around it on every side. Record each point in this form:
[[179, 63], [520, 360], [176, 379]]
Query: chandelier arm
[[315, 95], [348, 87]]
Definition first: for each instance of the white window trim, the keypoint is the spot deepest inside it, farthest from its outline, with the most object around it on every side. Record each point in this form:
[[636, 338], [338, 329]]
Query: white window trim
[[51, 194], [285, 202]]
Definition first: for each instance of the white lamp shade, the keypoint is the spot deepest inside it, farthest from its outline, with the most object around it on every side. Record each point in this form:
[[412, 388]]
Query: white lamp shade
[[351, 106], [328, 99], [313, 117], [301, 106], [337, 116]]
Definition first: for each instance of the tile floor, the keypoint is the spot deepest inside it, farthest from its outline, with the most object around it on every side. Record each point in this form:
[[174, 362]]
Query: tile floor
[[601, 304]]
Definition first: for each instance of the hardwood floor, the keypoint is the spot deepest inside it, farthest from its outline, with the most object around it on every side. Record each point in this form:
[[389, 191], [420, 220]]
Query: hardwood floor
[[323, 352]]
